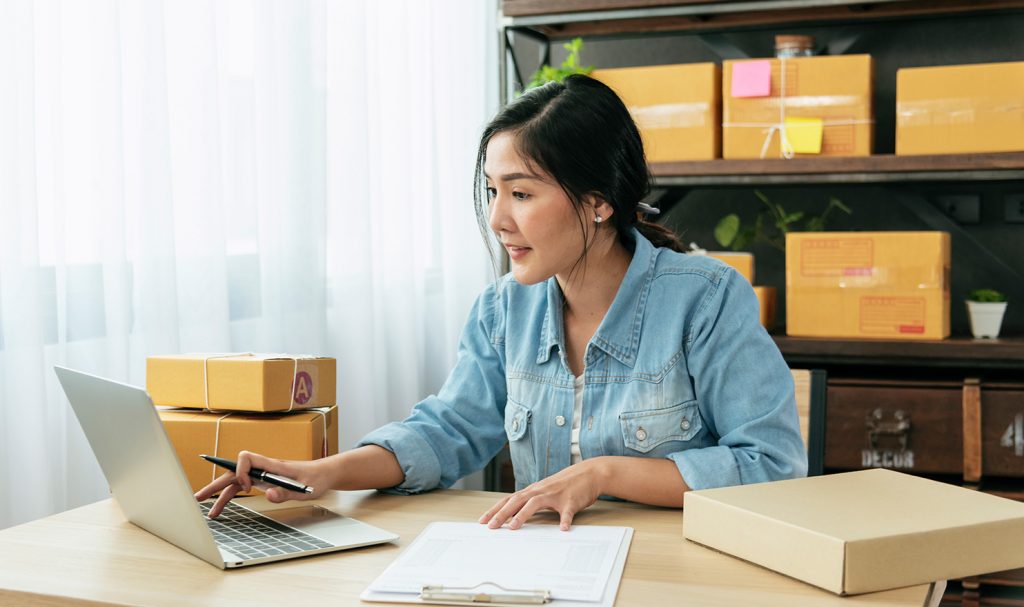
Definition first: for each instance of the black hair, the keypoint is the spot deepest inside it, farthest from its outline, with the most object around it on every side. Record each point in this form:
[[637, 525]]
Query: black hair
[[579, 132]]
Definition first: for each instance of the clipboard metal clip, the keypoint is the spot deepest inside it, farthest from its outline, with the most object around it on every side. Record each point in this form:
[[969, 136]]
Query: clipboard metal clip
[[479, 595]]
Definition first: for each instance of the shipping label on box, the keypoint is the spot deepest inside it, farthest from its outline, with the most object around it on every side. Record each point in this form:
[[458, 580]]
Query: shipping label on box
[[826, 97], [241, 382], [676, 107], [960, 109], [300, 435], [860, 531], [892, 285]]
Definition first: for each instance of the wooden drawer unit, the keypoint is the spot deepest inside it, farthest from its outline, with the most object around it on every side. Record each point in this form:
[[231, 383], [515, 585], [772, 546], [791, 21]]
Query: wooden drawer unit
[[1002, 430], [906, 426]]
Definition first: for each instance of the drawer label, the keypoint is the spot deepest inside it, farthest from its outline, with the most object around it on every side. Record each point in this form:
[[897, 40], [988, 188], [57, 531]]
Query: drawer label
[[1013, 438], [887, 458]]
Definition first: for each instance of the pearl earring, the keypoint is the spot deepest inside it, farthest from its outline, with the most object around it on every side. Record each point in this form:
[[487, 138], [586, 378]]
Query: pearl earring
[[598, 219]]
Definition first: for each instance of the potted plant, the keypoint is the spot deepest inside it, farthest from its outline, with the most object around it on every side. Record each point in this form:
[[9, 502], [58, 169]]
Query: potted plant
[[771, 224], [571, 65], [985, 309]]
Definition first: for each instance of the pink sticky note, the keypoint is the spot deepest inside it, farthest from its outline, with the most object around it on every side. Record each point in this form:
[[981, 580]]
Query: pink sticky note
[[752, 79]]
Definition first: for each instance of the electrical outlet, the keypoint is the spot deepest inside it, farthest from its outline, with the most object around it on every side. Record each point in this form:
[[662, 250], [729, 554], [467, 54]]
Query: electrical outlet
[[961, 208], [1014, 208]]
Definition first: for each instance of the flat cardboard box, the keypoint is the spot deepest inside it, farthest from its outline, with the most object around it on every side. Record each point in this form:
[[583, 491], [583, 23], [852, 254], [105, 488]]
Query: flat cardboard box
[[741, 262], [241, 382], [883, 285], [766, 301], [676, 107], [300, 435], [837, 89], [860, 531], [960, 109]]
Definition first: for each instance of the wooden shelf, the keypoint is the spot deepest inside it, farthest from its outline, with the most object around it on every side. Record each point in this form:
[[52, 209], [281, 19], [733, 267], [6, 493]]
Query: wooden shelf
[[882, 168], [959, 352], [570, 18]]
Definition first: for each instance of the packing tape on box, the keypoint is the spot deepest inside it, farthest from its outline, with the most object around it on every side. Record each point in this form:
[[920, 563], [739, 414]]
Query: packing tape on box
[[785, 148], [295, 372], [323, 443], [926, 112]]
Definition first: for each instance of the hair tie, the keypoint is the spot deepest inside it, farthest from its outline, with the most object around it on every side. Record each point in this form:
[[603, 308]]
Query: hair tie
[[643, 207]]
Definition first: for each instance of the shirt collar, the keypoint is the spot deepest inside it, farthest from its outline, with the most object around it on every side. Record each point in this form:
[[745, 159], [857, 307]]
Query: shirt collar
[[619, 332]]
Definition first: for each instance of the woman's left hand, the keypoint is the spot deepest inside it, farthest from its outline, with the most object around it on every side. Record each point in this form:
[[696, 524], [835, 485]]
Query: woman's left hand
[[566, 492]]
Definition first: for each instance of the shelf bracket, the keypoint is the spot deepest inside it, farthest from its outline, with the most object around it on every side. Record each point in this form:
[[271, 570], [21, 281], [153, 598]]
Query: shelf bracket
[[723, 47]]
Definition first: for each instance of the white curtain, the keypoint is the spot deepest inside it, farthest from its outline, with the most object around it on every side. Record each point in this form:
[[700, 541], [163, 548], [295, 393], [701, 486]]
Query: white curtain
[[231, 175]]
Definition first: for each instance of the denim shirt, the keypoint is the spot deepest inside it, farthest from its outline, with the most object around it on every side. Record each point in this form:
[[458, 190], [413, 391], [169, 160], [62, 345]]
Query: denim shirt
[[680, 368]]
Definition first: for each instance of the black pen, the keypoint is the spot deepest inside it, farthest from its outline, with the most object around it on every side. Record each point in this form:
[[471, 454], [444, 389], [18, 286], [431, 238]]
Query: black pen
[[261, 475]]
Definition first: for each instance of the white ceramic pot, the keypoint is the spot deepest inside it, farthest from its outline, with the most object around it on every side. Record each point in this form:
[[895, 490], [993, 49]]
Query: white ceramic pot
[[985, 317]]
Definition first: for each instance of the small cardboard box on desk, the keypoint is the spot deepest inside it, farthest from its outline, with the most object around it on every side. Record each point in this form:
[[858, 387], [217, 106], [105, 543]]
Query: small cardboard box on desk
[[242, 382], [305, 434], [860, 531]]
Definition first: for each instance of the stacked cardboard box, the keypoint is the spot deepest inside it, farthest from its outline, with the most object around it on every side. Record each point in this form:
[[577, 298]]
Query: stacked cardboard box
[[279, 406], [891, 285], [744, 264], [960, 109], [676, 107], [823, 104]]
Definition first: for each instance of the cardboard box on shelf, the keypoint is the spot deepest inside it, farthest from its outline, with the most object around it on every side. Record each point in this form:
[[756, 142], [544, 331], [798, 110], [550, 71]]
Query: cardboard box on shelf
[[241, 382], [766, 300], [862, 531], [890, 285], [300, 435], [828, 98], [741, 262], [960, 109], [676, 107]]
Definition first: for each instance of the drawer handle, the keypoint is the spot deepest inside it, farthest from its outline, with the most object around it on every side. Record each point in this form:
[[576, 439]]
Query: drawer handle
[[898, 426]]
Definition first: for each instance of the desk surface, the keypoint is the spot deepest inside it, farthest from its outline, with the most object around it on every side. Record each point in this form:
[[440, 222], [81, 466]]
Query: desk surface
[[106, 560]]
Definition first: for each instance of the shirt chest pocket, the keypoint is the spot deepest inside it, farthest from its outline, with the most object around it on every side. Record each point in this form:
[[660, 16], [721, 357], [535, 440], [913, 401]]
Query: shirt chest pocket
[[644, 430]]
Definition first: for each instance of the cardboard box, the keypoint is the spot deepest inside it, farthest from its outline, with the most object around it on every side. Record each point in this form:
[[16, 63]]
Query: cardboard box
[[891, 285], [241, 382], [299, 435], [766, 300], [741, 262], [676, 107], [860, 531], [838, 90], [960, 109]]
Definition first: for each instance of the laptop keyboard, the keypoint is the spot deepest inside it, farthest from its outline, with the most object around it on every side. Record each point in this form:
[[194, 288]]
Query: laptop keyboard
[[250, 535]]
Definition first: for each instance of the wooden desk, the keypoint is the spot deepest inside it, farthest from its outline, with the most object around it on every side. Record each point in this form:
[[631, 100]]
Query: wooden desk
[[106, 560]]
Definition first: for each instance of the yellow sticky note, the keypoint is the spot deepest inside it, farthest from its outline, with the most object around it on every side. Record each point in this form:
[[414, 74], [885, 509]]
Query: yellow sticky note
[[804, 134]]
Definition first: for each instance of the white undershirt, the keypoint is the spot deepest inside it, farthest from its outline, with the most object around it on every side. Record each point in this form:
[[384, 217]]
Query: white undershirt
[[575, 456]]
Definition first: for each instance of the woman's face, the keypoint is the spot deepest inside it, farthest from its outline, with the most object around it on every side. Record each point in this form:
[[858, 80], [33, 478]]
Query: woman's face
[[532, 216]]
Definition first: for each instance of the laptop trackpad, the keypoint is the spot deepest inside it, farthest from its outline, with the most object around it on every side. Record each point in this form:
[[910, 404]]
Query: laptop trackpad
[[314, 520]]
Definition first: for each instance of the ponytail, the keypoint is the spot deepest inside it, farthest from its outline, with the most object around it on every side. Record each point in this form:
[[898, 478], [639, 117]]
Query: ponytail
[[659, 235]]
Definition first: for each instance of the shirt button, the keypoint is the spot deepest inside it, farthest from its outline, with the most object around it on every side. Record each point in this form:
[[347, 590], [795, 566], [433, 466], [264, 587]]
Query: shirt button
[[515, 425], [559, 421], [641, 434], [685, 424]]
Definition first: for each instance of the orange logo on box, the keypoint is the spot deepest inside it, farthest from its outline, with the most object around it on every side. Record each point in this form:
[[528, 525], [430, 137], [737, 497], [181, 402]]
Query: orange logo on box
[[303, 388]]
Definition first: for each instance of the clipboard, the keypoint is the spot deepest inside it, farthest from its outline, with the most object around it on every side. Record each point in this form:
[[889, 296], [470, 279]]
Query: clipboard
[[492, 594]]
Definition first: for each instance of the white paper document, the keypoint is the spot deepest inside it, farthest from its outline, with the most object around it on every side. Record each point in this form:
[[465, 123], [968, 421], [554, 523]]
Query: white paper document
[[575, 565]]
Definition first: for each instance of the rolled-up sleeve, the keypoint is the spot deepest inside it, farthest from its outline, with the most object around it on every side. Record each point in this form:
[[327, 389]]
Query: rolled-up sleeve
[[744, 391], [459, 430]]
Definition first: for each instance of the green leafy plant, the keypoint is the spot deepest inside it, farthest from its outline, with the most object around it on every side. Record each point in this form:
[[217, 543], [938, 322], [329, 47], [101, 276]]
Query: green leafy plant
[[771, 224], [571, 65], [986, 296]]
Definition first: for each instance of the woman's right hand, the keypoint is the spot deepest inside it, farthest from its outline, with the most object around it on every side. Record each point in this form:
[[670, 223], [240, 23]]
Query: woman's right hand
[[229, 484]]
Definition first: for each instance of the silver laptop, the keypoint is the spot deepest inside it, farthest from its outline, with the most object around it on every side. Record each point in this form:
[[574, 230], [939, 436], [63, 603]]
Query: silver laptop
[[150, 486]]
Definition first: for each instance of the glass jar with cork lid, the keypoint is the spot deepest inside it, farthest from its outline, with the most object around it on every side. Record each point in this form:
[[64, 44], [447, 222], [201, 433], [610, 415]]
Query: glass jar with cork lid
[[791, 45]]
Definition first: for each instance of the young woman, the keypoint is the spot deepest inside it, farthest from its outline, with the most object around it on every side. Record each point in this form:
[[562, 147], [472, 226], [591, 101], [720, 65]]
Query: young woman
[[612, 364]]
